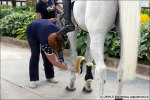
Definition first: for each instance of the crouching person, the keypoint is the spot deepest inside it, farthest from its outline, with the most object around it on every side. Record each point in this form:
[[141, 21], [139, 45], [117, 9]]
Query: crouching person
[[42, 33]]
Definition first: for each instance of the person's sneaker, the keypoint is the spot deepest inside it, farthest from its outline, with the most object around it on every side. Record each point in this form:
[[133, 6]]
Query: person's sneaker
[[52, 80], [32, 84]]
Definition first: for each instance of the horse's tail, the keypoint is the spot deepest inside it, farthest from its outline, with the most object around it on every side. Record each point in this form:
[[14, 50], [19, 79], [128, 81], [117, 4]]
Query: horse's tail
[[130, 29]]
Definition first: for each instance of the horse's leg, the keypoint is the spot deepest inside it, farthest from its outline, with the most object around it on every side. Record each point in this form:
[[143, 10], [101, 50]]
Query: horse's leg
[[73, 55], [88, 55], [89, 65], [128, 28], [97, 46], [120, 71], [79, 10], [98, 25]]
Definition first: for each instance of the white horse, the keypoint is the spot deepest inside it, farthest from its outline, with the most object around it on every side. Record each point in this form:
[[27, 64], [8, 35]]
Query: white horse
[[97, 17]]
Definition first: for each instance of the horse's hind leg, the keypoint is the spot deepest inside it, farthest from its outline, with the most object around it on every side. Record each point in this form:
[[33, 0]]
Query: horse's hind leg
[[97, 46], [73, 55], [97, 36], [88, 55], [98, 25], [120, 70]]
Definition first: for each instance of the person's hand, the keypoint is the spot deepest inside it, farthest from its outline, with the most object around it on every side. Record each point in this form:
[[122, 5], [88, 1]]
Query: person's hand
[[53, 20], [72, 68]]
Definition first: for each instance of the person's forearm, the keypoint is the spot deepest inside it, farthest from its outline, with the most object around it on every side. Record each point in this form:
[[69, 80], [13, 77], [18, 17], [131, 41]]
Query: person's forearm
[[58, 64], [52, 59], [38, 16]]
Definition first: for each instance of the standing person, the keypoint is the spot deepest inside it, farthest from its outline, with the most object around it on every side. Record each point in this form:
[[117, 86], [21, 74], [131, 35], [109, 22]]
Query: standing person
[[69, 26], [46, 9], [43, 32]]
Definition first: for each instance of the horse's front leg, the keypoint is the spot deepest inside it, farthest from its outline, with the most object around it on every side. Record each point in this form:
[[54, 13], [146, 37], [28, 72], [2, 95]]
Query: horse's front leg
[[89, 66], [73, 55]]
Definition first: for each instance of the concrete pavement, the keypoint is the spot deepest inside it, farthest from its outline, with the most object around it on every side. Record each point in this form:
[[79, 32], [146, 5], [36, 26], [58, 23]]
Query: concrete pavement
[[15, 79]]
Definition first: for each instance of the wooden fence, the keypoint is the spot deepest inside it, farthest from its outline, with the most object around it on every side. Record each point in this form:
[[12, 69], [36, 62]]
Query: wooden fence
[[14, 2]]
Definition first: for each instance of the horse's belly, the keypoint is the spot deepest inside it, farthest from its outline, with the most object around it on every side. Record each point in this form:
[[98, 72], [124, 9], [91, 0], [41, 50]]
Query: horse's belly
[[79, 13]]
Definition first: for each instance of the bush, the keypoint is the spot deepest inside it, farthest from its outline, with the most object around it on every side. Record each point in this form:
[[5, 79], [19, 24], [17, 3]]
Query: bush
[[10, 23], [14, 20], [81, 42], [144, 50], [23, 9], [145, 11], [112, 45], [4, 10], [4, 7], [21, 32], [31, 3]]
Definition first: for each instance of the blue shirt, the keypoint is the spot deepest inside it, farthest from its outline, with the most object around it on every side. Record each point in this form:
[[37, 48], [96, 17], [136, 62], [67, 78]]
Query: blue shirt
[[40, 29], [47, 9]]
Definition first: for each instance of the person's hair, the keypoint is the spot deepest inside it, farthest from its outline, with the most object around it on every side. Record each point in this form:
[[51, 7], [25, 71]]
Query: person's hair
[[55, 41]]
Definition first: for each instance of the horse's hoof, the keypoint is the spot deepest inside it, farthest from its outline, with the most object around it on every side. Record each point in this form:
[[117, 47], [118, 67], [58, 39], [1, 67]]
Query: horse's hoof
[[68, 89], [85, 90]]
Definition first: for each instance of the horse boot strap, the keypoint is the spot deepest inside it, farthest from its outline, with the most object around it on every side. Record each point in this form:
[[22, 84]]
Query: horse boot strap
[[89, 75], [66, 29]]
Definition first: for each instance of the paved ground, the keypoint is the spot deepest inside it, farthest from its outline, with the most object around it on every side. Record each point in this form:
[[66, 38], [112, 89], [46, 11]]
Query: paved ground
[[15, 79]]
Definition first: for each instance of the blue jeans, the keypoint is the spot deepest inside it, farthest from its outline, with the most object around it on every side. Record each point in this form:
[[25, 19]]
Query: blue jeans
[[34, 60]]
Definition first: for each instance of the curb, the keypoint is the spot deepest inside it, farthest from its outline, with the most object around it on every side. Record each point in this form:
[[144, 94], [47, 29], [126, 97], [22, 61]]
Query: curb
[[13, 41], [110, 62], [141, 69]]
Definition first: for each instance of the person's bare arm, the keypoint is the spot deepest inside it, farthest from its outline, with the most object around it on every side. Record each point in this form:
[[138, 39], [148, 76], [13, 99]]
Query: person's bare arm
[[56, 63], [38, 15], [53, 20]]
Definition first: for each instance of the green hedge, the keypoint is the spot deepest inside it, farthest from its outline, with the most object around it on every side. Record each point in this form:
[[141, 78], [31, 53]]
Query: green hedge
[[21, 31], [111, 46], [144, 50], [145, 11], [15, 18], [10, 23], [5, 10]]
